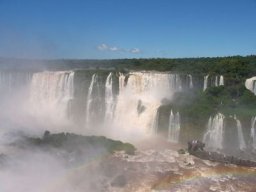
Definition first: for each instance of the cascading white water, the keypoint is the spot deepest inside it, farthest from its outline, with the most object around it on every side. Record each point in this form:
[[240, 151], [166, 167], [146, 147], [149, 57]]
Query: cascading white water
[[109, 99], [141, 96], [68, 86], [251, 84], [216, 83], [253, 132], [90, 97], [177, 85], [205, 82], [155, 123], [190, 81], [242, 145], [11, 81], [213, 137], [51, 92], [121, 81], [174, 127], [221, 82]]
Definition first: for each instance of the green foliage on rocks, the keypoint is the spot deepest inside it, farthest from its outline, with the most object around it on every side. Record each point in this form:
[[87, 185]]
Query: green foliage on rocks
[[197, 106], [72, 142]]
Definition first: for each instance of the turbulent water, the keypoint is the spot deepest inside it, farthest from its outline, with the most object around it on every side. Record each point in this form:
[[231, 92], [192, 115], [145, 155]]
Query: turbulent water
[[119, 105], [166, 170], [51, 94], [141, 96]]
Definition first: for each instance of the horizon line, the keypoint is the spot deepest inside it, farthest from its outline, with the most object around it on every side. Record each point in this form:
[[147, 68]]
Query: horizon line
[[104, 59]]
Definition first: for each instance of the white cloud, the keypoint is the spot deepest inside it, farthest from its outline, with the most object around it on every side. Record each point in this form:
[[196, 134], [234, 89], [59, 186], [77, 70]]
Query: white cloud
[[105, 47], [135, 50], [114, 49]]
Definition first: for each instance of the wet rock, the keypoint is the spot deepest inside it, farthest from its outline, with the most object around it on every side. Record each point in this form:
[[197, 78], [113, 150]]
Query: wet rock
[[195, 145], [181, 151], [195, 148], [140, 107], [46, 134]]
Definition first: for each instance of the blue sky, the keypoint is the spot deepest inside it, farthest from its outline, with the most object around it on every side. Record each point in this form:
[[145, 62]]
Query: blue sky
[[106, 29]]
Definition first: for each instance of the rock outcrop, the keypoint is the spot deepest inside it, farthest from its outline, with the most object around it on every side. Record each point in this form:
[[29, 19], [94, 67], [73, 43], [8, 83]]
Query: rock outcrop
[[196, 148]]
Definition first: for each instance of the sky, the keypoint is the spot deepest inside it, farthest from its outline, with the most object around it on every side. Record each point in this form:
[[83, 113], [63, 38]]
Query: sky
[[112, 29]]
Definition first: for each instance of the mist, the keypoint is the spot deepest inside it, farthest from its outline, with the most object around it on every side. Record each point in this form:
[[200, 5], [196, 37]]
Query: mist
[[33, 102], [25, 168], [50, 119]]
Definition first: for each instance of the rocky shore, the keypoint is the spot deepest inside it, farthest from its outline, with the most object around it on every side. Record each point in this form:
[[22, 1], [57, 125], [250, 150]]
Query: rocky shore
[[196, 148]]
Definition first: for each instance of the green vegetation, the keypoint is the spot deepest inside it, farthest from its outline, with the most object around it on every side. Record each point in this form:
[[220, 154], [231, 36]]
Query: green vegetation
[[73, 142], [235, 67], [197, 106]]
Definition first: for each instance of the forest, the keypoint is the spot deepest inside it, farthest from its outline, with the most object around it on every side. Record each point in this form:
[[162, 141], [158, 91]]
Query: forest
[[233, 66]]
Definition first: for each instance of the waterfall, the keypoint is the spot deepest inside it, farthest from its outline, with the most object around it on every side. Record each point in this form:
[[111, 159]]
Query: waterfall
[[140, 97], [121, 81], [11, 81], [174, 127], [109, 99], [190, 81], [242, 145], [251, 84], [155, 123], [216, 83], [69, 91], [177, 85], [89, 100], [51, 92], [221, 80], [253, 132], [213, 137], [205, 82], [69, 85]]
